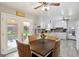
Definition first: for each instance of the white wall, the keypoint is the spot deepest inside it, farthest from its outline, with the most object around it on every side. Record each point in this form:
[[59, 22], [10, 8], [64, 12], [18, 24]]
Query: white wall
[[9, 10], [13, 11]]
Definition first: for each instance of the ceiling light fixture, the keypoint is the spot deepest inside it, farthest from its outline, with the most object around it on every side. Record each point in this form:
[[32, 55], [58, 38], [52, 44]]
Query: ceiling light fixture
[[45, 5], [46, 8]]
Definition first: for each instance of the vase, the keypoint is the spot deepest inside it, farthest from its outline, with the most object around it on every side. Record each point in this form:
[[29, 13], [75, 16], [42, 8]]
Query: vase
[[42, 40]]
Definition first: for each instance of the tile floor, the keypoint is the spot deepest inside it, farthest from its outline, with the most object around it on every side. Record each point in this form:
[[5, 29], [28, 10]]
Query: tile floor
[[67, 49]]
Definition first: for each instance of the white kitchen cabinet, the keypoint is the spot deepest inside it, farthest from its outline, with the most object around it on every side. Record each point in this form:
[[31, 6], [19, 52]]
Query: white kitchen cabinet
[[70, 36], [77, 35], [60, 35]]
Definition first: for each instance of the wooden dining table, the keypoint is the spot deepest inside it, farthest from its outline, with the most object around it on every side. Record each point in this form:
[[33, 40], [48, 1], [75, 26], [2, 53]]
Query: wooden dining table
[[42, 48]]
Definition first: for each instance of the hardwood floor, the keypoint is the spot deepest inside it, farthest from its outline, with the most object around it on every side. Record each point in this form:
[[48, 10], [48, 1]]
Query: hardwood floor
[[67, 49]]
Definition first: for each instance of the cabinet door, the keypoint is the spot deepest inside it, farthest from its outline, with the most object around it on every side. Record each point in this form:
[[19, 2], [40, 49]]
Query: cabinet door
[[77, 35]]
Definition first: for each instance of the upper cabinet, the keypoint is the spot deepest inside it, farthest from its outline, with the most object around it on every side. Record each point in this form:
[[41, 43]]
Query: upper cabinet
[[46, 22], [60, 24]]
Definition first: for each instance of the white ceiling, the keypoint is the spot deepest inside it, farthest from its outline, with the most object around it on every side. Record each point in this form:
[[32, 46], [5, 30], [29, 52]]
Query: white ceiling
[[67, 7]]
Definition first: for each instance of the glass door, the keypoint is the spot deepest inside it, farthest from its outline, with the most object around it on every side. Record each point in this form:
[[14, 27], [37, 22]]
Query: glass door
[[12, 29], [25, 30]]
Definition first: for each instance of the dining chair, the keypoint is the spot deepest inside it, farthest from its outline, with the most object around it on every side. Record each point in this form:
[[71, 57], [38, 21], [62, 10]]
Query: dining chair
[[51, 37], [31, 38], [56, 50], [23, 49]]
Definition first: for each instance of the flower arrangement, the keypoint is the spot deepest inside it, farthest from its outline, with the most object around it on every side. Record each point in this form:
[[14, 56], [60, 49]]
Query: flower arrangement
[[43, 36]]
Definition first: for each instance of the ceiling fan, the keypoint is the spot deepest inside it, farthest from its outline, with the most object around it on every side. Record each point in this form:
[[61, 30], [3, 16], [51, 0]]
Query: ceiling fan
[[46, 4]]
